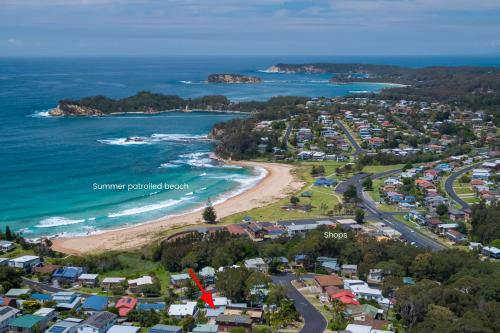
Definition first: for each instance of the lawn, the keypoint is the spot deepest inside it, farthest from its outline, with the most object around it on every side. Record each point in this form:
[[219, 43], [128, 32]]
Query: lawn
[[463, 190], [321, 196], [375, 194], [381, 168]]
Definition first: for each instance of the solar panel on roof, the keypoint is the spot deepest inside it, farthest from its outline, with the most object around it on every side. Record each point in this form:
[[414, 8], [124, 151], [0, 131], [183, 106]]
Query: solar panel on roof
[[57, 329]]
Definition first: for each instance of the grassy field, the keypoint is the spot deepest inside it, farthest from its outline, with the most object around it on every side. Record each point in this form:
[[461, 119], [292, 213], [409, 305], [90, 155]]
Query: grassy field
[[323, 198], [381, 168]]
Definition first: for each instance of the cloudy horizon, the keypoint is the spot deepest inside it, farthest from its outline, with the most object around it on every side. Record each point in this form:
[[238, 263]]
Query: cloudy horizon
[[251, 27]]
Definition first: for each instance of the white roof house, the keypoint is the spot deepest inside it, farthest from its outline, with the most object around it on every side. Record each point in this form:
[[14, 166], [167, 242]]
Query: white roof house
[[24, 262], [144, 280], [89, 277], [182, 310], [112, 280], [124, 329]]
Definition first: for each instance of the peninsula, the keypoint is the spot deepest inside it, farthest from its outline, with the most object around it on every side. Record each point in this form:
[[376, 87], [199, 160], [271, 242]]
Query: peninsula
[[143, 102]]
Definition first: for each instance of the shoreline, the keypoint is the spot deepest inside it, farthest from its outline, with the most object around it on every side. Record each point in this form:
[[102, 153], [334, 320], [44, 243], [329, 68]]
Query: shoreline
[[276, 184], [50, 113]]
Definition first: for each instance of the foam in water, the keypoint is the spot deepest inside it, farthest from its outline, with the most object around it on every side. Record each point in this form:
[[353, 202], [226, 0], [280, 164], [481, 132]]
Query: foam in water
[[148, 208], [154, 138], [41, 114], [57, 221]]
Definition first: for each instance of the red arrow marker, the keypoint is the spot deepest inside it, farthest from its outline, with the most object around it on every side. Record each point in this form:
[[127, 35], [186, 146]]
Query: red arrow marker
[[205, 296]]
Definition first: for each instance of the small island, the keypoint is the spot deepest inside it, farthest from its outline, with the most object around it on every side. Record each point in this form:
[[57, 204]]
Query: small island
[[233, 78]]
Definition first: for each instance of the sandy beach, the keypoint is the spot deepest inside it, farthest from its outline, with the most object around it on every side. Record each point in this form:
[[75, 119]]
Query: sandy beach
[[278, 183]]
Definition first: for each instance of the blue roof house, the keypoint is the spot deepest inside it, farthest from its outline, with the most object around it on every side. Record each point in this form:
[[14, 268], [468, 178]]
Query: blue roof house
[[325, 182], [159, 328], [69, 274], [41, 297], [160, 306], [95, 303]]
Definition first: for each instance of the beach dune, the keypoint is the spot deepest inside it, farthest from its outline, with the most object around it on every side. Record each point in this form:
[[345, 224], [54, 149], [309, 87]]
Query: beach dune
[[278, 183]]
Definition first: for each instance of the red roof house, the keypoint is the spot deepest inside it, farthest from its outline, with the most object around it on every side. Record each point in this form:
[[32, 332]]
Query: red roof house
[[345, 296], [125, 305]]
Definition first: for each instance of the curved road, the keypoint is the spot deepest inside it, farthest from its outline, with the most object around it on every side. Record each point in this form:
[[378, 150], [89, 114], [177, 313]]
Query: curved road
[[314, 322], [448, 185], [387, 217]]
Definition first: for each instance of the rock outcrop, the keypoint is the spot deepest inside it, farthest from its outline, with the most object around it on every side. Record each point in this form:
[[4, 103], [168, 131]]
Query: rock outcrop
[[233, 78], [74, 110]]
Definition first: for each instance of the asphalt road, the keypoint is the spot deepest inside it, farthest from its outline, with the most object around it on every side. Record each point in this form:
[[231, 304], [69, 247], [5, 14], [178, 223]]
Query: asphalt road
[[357, 148], [314, 322], [372, 211], [448, 185]]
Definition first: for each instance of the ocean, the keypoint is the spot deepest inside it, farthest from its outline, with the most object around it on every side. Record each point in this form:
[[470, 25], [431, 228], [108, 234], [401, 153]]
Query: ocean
[[71, 176]]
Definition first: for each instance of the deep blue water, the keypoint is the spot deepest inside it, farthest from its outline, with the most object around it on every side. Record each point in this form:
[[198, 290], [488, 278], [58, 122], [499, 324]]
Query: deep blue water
[[48, 165]]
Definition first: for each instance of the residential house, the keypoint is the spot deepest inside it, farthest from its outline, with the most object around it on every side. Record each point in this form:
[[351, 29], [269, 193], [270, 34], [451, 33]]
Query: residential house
[[63, 326], [136, 285], [329, 264], [157, 307], [6, 246], [257, 264], [17, 292], [125, 305], [456, 214], [344, 296], [455, 236], [349, 270], [25, 262], [160, 328], [324, 281], [113, 284], [255, 230], [66, 300], [50, 314], [124, 329], [28, 324], [182, 310], [227, 323], [88, 280], [99, 322], [207, 274], [179, 280], [205, 328], [491, 251], [375, 275], [7, 314], [95, 303], [362, 290], [67, 274]]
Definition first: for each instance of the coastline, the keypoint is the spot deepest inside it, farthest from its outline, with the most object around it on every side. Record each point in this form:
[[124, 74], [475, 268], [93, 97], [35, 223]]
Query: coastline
[[277, 183], [53, 112]]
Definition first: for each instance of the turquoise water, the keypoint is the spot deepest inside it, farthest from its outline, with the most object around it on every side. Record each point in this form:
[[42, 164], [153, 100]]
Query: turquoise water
[[49, 166]]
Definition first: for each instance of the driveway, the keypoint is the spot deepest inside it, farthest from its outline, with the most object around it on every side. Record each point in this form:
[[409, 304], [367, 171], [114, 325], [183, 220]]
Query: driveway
[[314, 322]]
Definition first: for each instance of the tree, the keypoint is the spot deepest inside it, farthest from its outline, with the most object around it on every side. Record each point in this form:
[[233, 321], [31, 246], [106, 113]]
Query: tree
[[10, 278], [442, 209], [359, 215], [30, 306], [294, 200], [368, 184], [350, 194], [8, 234], [209, 214], [464, 179]]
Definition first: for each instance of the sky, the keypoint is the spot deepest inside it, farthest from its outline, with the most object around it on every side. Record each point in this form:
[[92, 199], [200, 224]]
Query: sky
[[248, 27]]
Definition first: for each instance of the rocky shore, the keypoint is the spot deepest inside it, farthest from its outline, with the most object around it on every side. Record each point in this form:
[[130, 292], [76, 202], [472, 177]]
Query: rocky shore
[[233, 78]]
